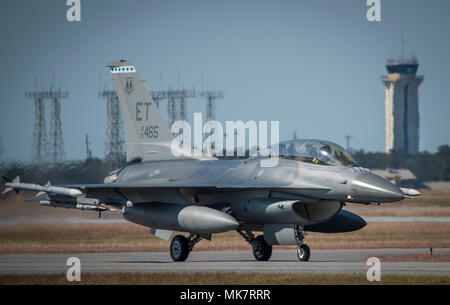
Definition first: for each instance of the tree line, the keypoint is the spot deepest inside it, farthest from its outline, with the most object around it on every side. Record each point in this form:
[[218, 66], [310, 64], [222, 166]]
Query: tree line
[[424, 165]]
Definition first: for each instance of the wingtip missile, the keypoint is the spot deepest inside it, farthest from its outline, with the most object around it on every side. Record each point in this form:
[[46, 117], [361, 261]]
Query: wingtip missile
[[58, 190]]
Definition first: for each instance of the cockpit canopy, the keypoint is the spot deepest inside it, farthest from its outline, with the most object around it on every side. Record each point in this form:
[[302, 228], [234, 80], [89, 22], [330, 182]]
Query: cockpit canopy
[[316, 152]]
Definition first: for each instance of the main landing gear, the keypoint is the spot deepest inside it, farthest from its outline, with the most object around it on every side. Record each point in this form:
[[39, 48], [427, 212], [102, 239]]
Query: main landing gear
[[303, 252], [180, 247], [262, 251]]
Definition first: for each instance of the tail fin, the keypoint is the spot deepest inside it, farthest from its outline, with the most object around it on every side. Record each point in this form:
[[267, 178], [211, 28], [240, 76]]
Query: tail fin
[[148, 134], [9, 189]]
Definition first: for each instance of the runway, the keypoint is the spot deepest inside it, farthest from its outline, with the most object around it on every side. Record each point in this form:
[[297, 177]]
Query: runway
[[282, 261]]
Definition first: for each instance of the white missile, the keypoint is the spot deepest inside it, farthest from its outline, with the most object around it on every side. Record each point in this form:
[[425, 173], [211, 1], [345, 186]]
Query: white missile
[[58, 190]]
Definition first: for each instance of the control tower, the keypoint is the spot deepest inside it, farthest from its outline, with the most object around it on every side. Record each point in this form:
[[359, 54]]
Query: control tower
[[402, 105]]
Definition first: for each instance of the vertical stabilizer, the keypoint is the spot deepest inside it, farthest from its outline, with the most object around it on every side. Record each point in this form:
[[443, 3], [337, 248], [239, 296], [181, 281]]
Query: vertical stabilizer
[[148, 134]]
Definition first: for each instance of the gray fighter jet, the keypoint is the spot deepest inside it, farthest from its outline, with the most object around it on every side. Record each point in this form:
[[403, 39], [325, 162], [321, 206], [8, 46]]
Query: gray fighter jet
[[305, 191]]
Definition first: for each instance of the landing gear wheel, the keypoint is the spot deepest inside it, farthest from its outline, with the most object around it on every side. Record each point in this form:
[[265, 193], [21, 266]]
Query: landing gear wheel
[[179, 248], [303, 253], [262, 251]]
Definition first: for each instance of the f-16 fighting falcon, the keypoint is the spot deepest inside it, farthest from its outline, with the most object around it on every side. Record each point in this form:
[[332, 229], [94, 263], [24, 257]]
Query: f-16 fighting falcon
[[305, 191]]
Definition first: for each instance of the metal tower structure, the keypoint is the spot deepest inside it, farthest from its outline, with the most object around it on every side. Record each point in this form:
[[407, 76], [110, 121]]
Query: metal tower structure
[[210, 97], [181, 96], [47, 147], [171, 110], [114, 154], [176, 102], [158, 96], [56, 138], [182, 104], [348, 138], [88, 148]]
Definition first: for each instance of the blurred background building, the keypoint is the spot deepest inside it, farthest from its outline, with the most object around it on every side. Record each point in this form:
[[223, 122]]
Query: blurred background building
[[402, 105]]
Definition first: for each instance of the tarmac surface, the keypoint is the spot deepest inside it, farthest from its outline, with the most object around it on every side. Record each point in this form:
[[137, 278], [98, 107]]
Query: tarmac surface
[[282, 261]]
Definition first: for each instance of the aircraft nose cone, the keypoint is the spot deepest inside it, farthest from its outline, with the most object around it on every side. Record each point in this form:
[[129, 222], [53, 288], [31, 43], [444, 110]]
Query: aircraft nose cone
[[373, 188]]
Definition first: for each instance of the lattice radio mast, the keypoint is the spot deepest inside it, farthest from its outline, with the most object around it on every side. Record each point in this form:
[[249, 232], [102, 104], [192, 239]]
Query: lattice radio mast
[[114, 152], [211, 97], [47, 145]]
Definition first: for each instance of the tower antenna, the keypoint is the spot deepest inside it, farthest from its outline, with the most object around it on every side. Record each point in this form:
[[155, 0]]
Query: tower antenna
[[402, 55], [348, 137]]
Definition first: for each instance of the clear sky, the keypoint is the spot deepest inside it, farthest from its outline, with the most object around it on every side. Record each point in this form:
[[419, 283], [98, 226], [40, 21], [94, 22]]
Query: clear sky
[[313, 65]]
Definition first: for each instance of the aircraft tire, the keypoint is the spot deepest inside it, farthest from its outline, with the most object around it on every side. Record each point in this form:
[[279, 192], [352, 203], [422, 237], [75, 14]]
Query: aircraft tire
[[179, 248], [262, 251], [303, 253]]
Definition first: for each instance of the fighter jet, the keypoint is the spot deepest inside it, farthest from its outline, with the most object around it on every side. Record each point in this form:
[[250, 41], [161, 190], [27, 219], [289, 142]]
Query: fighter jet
[[306, 190]]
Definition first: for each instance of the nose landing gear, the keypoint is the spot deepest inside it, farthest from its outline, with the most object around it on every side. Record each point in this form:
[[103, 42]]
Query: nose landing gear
[[303, 252]]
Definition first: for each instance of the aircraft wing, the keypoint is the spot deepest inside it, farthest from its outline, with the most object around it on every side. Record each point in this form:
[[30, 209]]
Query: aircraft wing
[[57, 196], [118, 186], [181, 192], [117, 194]]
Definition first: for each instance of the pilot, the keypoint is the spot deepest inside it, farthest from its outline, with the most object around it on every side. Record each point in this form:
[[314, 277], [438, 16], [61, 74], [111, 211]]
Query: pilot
[[310, 154]]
